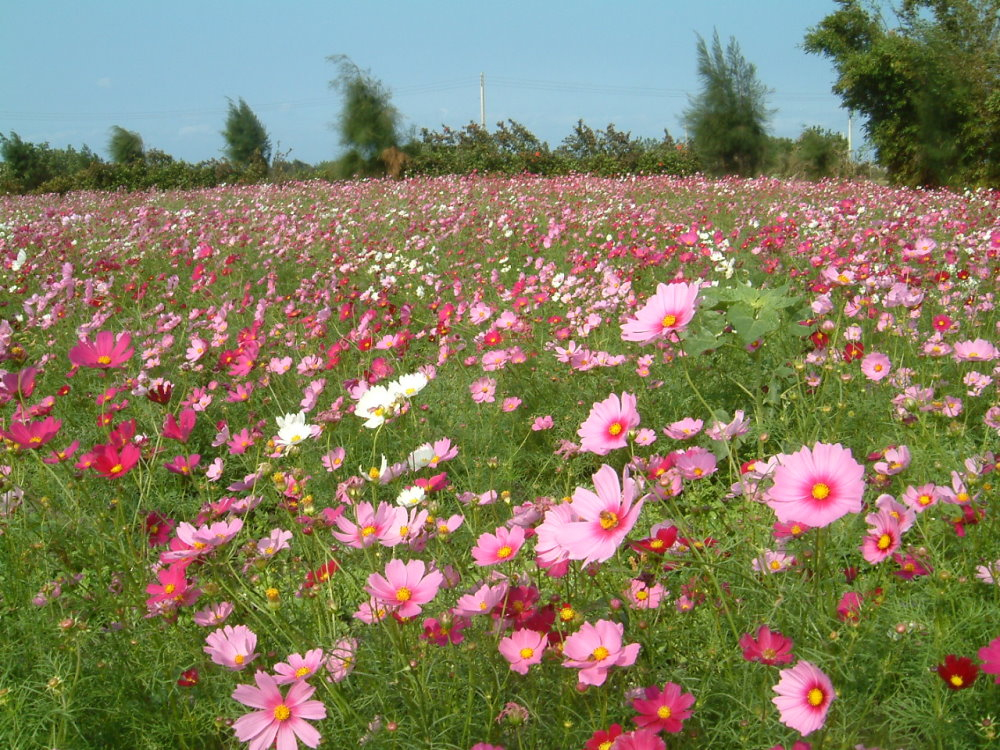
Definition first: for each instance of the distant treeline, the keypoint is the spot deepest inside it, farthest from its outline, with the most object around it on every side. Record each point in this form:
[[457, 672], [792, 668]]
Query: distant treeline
[[510, 148]]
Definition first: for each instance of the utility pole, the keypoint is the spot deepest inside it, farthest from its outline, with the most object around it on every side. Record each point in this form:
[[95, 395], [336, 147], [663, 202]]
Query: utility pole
[[850, 145], [482, 99]]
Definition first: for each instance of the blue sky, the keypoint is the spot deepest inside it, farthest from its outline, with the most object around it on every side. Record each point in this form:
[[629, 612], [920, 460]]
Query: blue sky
[[71, 70]]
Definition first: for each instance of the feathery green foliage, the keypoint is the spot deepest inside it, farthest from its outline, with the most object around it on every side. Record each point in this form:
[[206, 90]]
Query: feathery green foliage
[[125, 146], [246, 139]]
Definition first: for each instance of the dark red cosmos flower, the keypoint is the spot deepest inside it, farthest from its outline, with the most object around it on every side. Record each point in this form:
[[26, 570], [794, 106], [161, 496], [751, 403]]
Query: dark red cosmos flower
[[958, 672], [188, 678]]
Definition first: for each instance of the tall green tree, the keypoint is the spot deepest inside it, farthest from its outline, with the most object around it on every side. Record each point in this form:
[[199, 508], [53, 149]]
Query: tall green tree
[[928, 85], [368, 122], [728, 120], [246, 139], [125, 146]]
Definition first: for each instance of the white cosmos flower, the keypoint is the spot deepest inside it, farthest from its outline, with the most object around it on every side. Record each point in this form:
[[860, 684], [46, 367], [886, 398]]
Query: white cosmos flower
[[421, 457], [410, 496], [292, 429], [410, 385], [376, 405]]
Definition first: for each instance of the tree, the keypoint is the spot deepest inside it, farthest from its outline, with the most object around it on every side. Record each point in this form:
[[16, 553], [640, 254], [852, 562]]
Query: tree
[[368, 123], [125, 146], [246, 139], [728, 119], [929, 87]]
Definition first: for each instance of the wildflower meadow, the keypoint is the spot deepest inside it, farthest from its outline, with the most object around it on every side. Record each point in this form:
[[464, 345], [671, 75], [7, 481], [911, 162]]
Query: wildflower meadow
[[471, 463]]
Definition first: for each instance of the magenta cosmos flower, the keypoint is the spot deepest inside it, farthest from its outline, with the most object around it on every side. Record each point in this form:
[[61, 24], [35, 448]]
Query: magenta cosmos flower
[[769, 647], [666, 312], [989, 655], [608, 425], [279, 718], [405, 587], [106, 351], [595, 649], [32, 434], [817, 486], [663, 710], [604, 518], [804, 697]]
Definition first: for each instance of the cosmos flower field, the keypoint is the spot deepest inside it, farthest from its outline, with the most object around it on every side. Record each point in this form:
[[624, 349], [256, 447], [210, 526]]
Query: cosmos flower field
[[473, 463]]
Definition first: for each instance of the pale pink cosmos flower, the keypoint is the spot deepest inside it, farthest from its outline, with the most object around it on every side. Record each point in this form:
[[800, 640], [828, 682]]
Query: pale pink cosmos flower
[[298, 667], [279, 718], [605, 517], [510, 404], [232, 647], [895, 460], [483, 390], [921, 498], [665, 313], [978, 350], [727, 431], [804, 695], [340, 660], [645, 436], [683, 429], [641, 595], [608, 425], [817, 486], [542, 423], [904, 514], [550, 548], [482, 601], [771, 561], [274, 543], [334, 459], [875, 366], [522, 648], [595, 648], [498, 547], [214, 614], [405, 586], [370, 524], [695, 463]]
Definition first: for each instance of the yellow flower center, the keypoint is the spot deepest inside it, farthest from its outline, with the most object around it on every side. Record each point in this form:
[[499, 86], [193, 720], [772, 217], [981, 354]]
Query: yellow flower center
[[282, 712], [615, 429], [769, 653], [820, 491], [104, 359], [526, 653], [775, 565], [600, 653], [962, 497], [504, 552], [669, 320], [403, 594], [34, 439], [404, 531], [816, 697], [239, 659], [642, 595], [609, 520], [169, 588], [884, 542], [956, 680], [116, 469], [368, 530], [924, 500], [796, 530], [374, 473], [664, 712], [302, 671]]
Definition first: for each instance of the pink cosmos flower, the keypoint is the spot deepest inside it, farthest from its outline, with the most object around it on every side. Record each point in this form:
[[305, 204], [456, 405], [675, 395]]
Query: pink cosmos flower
[[595, 649], [298, 667], [883, 537], [978, 350], [817, 486], [921, 498], [483, 390], [105, 352], [339, 661], [510, 404], [989, 655], [404, 587], [769, 647], [181, 430], [684, 429], [500, 547], [641, 595], [32, 434], [214, 614], [482, 601], [663, 710], [639, 739], [804, 697], [604, 518], [274, 543], [895, 460], [522, 648], [542, 423], [371, 524], [279, 718], [232, 647], [875, 366], [665, 313], [608, 425]]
